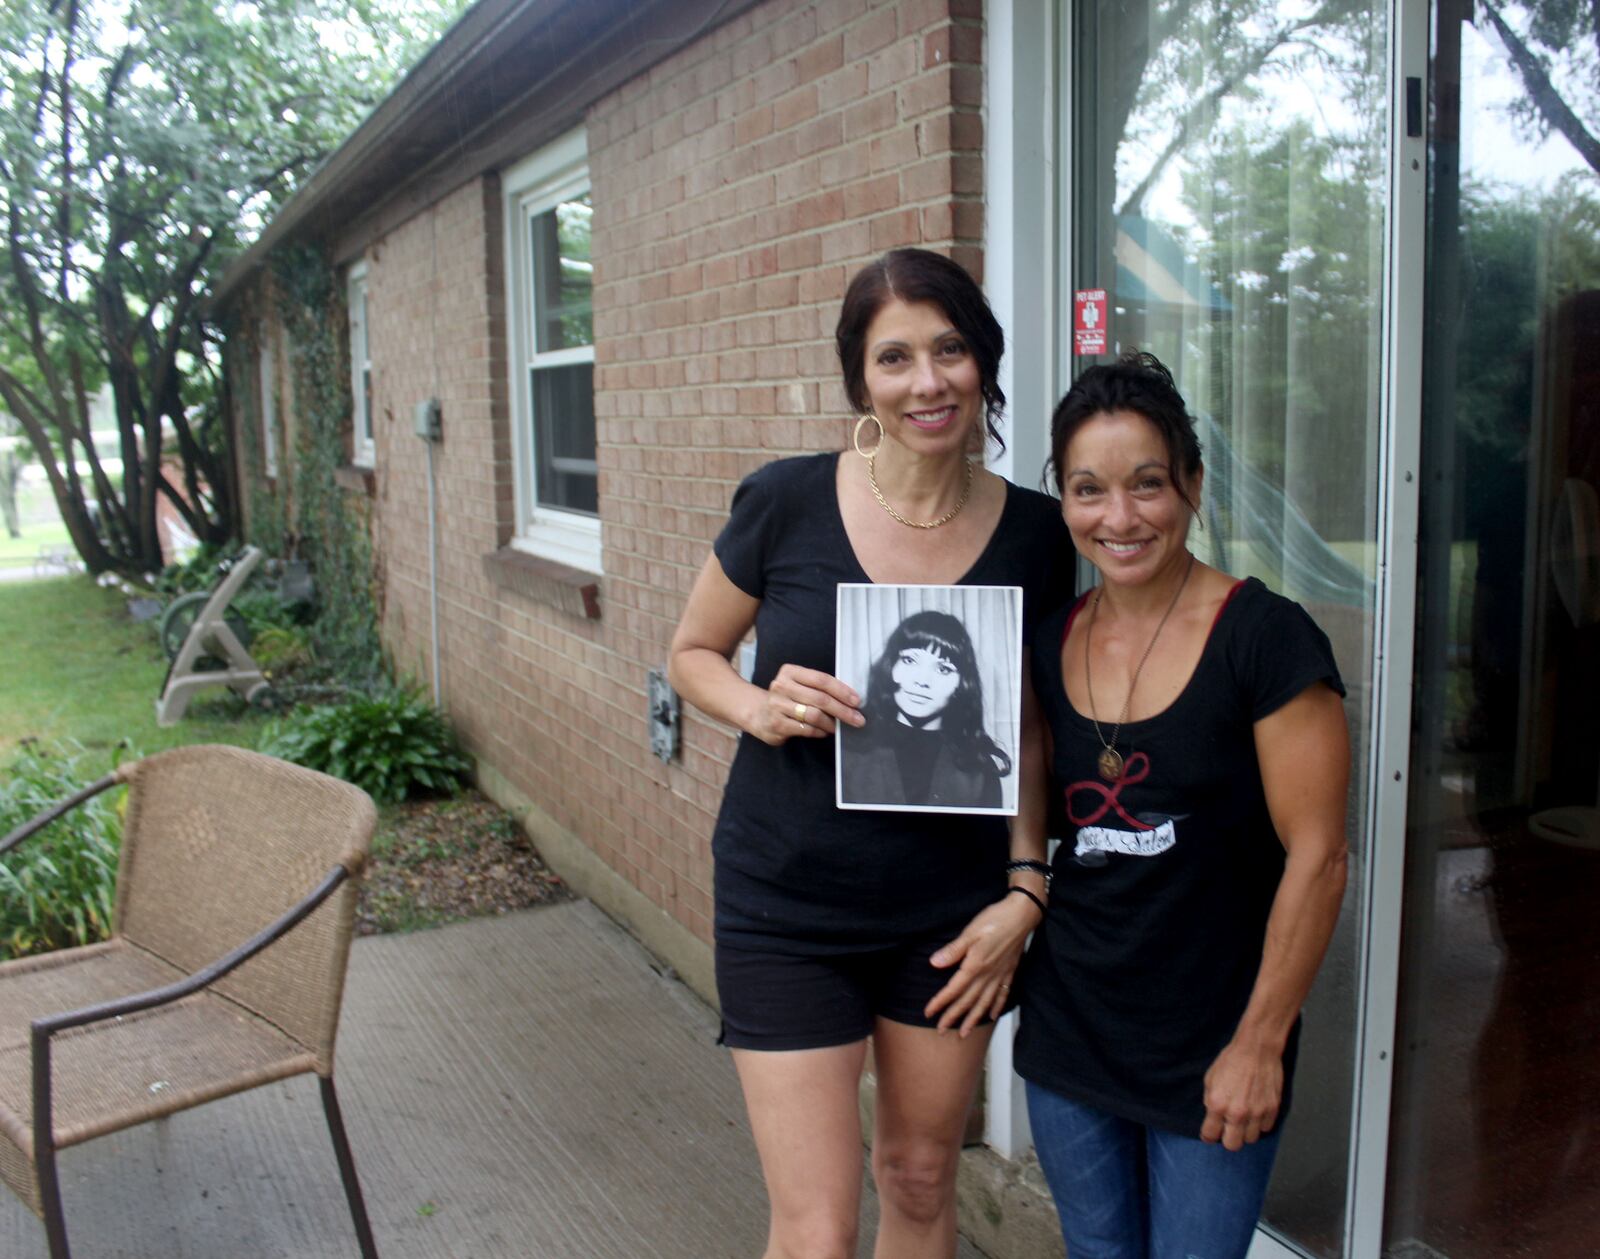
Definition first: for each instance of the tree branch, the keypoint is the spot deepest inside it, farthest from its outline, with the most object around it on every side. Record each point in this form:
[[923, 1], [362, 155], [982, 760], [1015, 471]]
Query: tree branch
[[1251, 61], [1555, 111]]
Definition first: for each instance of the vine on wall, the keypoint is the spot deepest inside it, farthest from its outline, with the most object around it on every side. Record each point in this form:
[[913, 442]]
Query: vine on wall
[[330, 526]]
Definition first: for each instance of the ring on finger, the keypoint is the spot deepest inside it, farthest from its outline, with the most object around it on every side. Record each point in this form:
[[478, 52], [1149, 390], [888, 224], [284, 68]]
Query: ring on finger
[[800, 711]]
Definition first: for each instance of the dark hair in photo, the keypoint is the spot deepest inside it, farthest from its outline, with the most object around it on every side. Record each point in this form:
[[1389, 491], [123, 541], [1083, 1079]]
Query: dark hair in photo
[[920, 275], [961, 723], [1136, 382]]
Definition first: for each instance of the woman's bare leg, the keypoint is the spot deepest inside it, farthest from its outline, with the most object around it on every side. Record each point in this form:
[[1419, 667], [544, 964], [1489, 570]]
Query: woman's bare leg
[[925, 1086], [804, 1113]]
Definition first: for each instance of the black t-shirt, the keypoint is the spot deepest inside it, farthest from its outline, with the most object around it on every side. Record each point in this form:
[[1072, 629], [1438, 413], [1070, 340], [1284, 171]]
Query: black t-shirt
[[1163, 882], [794, 873]]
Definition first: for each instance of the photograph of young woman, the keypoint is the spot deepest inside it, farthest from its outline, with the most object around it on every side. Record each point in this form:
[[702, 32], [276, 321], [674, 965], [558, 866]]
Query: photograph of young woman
[[925, 743]]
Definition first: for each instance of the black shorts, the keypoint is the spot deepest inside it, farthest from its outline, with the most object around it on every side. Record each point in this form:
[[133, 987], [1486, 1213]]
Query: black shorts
[[786, 1001]]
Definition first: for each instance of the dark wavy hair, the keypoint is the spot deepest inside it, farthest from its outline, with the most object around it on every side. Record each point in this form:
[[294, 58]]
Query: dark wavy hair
[[1136, 382], [962, 720], [920, 275]]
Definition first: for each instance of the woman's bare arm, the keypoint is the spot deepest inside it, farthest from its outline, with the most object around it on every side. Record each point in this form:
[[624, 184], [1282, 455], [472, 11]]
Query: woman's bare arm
[[717, 616], [1304, 753]]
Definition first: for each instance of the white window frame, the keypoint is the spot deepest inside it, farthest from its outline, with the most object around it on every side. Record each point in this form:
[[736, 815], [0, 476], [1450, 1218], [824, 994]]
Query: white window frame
[[555, 173], [363, 450], [269, 410]]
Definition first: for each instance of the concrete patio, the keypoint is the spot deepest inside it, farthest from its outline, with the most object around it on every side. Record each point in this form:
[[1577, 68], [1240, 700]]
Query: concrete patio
[[521, 1086]]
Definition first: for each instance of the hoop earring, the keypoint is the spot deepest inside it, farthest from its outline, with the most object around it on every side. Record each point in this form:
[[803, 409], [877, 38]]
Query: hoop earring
[[855, 439]]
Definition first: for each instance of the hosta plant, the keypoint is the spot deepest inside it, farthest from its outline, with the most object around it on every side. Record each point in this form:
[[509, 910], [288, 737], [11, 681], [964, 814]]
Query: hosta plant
[[394, 744]]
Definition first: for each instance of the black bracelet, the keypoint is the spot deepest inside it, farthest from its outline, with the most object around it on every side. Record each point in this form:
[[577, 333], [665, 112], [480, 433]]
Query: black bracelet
[[1028, 863], [1030, 896]]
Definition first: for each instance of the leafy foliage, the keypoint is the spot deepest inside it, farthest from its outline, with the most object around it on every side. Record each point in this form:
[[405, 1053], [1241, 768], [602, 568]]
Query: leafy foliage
[[143, 144], [197, 572], [56, 888], [393, 744], [330, 527], [282, 649]]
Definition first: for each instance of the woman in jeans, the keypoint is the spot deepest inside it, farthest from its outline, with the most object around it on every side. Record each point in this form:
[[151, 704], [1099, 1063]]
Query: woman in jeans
[[1200, 747]]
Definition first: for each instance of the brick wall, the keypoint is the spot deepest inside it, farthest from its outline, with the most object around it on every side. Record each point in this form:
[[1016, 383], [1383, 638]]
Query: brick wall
[[736, 187]]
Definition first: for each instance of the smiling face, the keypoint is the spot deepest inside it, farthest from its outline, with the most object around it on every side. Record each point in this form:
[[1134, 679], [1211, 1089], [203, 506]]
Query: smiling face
[[921, 378], [1122, 507], [924, 681]]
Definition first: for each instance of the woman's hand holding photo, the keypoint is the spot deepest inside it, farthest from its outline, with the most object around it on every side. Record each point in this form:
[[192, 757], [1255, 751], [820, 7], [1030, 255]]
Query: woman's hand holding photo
[[802, 704]]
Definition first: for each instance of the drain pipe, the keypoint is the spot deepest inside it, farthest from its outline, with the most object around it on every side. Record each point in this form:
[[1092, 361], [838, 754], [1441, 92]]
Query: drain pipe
[[430, 428]]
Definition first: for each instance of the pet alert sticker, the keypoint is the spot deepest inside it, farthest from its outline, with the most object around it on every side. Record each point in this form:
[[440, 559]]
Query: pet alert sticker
[[1089, 333]]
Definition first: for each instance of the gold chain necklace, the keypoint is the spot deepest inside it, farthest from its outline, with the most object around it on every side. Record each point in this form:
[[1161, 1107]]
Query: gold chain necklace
[[966, 491], [1110, 760]]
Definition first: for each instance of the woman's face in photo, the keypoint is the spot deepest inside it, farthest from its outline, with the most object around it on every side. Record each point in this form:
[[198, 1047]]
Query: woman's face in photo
[[924, 681]]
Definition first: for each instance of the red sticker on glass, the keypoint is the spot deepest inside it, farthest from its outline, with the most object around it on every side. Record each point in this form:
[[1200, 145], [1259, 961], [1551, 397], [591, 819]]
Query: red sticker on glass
[[1089, 321]]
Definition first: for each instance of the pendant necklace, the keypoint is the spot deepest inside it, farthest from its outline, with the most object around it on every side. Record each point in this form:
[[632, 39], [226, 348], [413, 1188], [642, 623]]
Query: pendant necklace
[[1110, 760]]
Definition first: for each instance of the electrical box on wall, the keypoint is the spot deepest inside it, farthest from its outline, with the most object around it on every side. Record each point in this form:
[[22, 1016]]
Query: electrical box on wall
[[429, 422], [663, 715]]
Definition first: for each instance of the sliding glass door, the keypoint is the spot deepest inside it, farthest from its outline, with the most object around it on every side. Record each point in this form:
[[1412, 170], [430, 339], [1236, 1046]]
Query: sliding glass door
[[1495, 1145], [1228, 181]]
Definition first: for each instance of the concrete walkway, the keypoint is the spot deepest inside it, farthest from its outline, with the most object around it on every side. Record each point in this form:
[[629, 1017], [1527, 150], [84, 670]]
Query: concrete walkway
[[519, 1086]]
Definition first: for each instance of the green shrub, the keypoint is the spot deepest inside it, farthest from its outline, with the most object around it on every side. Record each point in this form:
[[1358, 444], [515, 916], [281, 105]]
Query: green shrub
[[198, 572], [57, 887], [393, 744], [263, 609], [282, 649]]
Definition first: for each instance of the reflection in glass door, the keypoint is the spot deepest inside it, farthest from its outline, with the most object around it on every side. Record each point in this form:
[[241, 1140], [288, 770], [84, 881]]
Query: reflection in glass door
[[1495, 1131], [1228, 184]]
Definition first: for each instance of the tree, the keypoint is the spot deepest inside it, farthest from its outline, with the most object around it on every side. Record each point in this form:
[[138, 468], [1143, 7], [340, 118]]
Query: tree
[[140, 145], [1554, 46]]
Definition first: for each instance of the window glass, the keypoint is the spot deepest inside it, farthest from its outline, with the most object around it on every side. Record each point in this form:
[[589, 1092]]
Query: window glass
[[561, 270]]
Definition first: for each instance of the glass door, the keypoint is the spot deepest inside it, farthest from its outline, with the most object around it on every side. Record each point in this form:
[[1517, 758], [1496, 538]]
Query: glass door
[[1229, 177], [1495, 1129]]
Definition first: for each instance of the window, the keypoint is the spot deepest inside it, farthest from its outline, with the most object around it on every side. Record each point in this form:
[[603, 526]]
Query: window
[[269, 412], [548, 216], [362, 453]]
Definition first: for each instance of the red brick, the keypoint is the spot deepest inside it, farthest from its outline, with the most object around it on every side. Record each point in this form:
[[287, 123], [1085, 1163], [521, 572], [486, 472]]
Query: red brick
[[861, 200], [928, 179], [820, 59], [843, 164], [794, 107], [752, 125], [889, 231]]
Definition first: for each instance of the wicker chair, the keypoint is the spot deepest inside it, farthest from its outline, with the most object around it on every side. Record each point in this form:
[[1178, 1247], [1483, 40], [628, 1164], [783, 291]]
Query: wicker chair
[[234, 913]]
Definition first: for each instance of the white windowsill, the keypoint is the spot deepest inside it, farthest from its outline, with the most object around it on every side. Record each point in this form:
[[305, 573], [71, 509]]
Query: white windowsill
[[564, 538]]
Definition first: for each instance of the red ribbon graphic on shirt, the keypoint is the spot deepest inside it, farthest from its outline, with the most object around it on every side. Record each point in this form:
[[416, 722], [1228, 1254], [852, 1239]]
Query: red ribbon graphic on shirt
[[1134, 770]]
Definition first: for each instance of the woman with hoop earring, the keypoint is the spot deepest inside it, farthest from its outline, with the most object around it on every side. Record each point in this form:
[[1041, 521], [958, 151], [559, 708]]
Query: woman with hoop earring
[[836, 927]]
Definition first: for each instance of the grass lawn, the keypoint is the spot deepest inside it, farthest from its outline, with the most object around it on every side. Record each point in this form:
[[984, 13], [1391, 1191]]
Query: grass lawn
[[21, 552], [78, 667]]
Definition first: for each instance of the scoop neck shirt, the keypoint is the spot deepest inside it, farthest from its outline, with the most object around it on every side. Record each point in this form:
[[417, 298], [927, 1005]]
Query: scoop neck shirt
[[1164, 879], [793, 873]]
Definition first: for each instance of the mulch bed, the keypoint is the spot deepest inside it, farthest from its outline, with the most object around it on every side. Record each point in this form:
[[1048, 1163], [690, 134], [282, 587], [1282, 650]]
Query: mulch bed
[[438, 861]]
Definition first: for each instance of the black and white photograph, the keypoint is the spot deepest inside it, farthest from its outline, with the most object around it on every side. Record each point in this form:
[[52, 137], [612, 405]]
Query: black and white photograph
[[939, 670]]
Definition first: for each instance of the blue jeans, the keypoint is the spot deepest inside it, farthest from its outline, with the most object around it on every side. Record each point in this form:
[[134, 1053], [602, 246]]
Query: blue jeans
[[1128, 1191]]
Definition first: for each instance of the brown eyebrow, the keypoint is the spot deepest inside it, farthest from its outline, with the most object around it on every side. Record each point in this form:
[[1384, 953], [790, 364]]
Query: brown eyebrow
[[1149, 463], [906, 345]]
